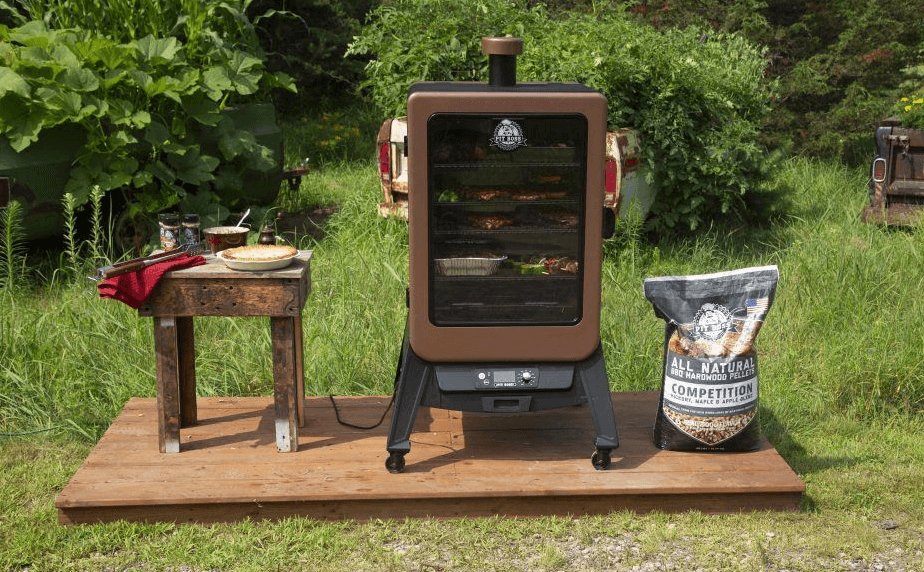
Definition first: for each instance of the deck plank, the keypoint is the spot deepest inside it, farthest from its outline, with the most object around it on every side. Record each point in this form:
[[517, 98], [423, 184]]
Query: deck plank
[[460, 464]]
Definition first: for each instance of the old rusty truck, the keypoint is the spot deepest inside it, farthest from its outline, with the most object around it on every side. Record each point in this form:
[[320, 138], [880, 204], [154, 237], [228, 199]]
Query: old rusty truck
[[896, 188]]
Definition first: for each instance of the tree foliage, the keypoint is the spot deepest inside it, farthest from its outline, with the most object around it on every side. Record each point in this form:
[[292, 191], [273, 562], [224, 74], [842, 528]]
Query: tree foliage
[[841, 65], [308, 43]]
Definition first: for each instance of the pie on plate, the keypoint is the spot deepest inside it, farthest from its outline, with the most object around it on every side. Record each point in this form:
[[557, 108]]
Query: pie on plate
[[258, 256]]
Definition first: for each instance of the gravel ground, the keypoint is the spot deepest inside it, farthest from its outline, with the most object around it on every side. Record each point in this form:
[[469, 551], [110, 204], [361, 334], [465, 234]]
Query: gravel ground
[[893, 548], [622, 553], [627, 553]]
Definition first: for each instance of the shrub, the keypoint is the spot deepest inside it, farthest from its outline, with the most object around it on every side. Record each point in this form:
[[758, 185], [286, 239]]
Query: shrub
[[410, 41], [697, 101]]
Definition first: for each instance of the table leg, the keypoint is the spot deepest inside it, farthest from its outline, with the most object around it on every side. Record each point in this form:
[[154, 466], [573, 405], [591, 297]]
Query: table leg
[[168, 384], [187, 368], [285, 382], [299, 372]]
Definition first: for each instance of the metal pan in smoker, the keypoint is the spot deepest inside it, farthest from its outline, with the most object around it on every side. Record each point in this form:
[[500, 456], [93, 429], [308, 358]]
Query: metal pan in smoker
[[468, 266]]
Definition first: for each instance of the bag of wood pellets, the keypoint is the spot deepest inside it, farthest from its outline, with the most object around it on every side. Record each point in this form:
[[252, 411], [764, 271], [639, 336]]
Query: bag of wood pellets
[[709, 390]]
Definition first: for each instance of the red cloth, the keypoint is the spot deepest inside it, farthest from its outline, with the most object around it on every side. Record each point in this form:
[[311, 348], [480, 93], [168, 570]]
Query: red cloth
[[133, 288]]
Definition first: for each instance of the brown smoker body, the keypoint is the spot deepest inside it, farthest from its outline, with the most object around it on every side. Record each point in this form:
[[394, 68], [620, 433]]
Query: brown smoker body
[[518, 342]]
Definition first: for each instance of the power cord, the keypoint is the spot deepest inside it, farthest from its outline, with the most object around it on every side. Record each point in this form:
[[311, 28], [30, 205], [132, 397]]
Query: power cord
[[391, 402], [361, 427]]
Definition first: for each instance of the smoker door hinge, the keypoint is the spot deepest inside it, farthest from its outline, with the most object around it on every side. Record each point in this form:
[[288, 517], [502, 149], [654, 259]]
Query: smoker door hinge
[[405, 145]]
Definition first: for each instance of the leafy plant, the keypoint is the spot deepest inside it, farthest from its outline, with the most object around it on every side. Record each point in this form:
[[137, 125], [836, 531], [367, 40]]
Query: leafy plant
[[150, 105], [12, 250], [71, 243], [697, 99], [126, 20]]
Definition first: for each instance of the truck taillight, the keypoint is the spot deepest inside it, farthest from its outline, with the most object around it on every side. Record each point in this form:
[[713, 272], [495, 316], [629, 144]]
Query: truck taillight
[[384, 161], [609, 177], [879, 170]]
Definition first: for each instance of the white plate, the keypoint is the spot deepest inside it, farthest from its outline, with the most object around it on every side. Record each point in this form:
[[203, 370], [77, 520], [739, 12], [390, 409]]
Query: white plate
[[257, 265]]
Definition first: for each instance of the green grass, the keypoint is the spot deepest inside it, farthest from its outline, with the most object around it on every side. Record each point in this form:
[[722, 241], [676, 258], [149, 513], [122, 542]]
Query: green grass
[[841, 394]]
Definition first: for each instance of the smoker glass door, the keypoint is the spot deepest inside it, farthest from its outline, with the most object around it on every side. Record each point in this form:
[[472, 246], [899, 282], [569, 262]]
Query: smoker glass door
[[506, 206]]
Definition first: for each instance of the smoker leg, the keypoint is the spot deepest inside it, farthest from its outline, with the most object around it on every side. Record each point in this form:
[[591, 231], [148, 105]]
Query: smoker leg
[[412, 378], [592, 372]]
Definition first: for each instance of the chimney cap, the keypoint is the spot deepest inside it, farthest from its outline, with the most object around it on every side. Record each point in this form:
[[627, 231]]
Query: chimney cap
[[502, 46]]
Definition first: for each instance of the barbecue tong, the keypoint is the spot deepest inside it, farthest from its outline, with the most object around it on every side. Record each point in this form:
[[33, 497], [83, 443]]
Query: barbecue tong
[[111, 270]]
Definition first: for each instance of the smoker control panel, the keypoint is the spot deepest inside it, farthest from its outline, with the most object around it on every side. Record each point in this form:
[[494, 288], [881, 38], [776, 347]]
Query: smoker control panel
[[484, 377], [507, 378]]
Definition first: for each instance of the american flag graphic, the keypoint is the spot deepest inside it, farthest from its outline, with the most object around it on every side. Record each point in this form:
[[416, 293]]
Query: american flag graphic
[[757, 307]]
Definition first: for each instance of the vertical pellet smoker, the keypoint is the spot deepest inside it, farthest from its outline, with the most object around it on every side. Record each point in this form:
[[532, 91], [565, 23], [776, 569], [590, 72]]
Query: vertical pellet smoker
[[505, 222]]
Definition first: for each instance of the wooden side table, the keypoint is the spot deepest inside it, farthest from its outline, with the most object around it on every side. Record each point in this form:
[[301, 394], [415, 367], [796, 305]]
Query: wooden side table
[[213, 289]]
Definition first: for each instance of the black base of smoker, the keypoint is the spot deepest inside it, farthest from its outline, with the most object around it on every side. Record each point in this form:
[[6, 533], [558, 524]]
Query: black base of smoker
[[416, 385]]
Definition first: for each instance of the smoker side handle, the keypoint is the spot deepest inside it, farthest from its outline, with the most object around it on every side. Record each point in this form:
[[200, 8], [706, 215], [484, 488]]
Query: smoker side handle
[[506, 404]]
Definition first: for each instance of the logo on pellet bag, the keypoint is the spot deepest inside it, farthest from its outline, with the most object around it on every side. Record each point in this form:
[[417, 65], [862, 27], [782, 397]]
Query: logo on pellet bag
[[508, 135], [711, 322]]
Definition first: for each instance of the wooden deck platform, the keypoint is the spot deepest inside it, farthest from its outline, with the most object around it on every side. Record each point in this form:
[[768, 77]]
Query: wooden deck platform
[[460, 464]]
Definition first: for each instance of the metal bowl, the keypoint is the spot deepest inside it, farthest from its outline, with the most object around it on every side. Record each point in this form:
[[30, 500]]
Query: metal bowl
[[224, 237]]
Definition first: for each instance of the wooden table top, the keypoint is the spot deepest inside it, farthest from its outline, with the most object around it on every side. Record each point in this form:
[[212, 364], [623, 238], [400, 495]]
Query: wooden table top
[[214, 267], [213, 289]]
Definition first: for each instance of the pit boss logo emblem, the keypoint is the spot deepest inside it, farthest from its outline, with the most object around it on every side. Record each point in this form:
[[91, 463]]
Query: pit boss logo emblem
[[711, 322], [508, 135]]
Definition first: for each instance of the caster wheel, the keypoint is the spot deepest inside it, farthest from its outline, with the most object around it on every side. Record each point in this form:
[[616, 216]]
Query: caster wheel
[[601, 459], [395, 463]]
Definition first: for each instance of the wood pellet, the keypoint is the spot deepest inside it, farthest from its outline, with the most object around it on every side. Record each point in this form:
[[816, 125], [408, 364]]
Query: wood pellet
[[711, 430]]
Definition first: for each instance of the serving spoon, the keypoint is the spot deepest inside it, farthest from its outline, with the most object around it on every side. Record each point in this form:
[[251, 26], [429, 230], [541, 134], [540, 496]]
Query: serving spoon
[[247, 212]]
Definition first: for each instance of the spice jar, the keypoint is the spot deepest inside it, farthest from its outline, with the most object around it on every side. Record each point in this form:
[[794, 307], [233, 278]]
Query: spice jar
[[169, 231], [190, 229]]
